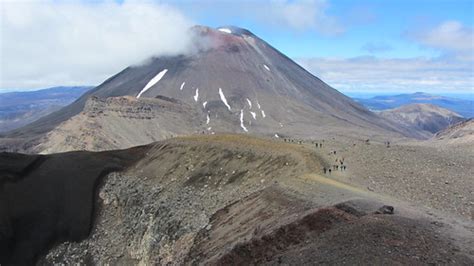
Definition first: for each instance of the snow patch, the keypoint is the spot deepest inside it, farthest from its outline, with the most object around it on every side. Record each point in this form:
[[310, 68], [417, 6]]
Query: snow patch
[[196, 96], [266, 67], [204, 104], [263, 114], [242, 120], [254, 115], [258, 105], [182, 86], [281, 125], [209, 128], [152, 82], [249, 102], [276, 136], [223, 99], [208, 119], [226, 30]]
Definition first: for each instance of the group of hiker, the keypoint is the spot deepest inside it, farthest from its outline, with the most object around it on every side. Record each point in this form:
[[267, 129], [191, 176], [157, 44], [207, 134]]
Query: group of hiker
[[339, 165], [295, 141], [317, 144]]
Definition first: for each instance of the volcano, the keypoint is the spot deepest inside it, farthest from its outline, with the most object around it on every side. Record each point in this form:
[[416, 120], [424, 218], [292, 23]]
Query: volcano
[[232, 82], [201, 197]]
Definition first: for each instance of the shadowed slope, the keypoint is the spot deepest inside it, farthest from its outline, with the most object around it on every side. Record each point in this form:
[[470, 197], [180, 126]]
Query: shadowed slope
[[45, 199]]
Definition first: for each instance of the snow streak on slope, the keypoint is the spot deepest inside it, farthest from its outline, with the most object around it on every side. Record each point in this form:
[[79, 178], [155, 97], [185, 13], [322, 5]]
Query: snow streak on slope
[[263, 114], [223, 99], [204, 104], [242, 120], [226, 30], [208, 119], [182, 86], [196, 96], [266, 67], [249, 102], [152, 82], [254, 115]]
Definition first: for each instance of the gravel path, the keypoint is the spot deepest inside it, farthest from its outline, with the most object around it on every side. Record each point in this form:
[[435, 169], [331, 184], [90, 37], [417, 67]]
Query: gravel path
[[435, 176]]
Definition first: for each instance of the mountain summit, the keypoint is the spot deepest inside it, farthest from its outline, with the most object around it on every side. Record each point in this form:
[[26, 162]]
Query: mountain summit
[[232, 82]]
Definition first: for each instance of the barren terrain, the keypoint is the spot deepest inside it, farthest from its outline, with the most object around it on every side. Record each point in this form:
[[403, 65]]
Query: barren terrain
[[237, 199]]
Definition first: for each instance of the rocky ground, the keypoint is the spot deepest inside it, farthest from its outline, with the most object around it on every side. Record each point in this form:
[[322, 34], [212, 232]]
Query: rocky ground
[[232, 199], [436, 176]]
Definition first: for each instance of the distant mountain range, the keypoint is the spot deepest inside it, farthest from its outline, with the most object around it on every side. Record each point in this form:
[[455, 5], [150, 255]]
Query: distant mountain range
[[463, 107], [20, 108]]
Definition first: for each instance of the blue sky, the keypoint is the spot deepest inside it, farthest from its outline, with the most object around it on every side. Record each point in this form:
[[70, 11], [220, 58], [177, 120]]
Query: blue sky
[[378, 22], [368, 46]]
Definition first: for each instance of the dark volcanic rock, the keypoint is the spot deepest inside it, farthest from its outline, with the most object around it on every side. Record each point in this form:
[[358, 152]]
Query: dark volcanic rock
[[385, 209], [46, 199]]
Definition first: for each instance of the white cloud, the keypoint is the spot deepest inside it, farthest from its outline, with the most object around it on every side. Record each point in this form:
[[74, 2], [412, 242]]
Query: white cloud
[[452, 71], [451, 37], [66, 43], [299, 15], [377, 74], [302, 15]]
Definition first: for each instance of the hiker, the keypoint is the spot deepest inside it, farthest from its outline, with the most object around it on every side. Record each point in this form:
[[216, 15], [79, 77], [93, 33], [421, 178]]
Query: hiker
[[388, 144], [329, 170], [325, 170], [320, 145]]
